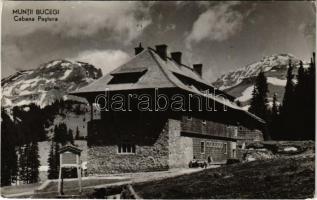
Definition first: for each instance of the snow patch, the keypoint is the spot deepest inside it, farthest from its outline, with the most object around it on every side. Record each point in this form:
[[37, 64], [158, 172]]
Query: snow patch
[[41, 101], [290, 149], [24, 86], [246, 108], [6, 102], [26, 109], [66, 74], [65, 64], [250, 159], [276, 81], [246, 94], [24, 102], [271, 104], [25, 92], [43, 168], [53, 63]]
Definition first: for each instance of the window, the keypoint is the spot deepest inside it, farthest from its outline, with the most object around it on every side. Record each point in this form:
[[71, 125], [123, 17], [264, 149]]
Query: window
[[96, 111], [202, 147], [131, 77], [126, 149], [235, 133], [225, 148]]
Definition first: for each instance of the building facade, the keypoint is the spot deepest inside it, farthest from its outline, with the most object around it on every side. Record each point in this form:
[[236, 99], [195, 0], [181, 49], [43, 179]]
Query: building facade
[[157, 113]]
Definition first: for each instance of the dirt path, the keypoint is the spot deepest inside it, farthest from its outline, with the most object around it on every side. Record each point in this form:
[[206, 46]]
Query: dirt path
[[49, 188]]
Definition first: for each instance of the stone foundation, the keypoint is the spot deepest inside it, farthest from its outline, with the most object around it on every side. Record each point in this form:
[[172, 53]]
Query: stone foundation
[[104, 159]]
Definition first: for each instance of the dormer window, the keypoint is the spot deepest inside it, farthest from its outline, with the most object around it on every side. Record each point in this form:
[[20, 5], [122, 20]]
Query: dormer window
[[127, 76]]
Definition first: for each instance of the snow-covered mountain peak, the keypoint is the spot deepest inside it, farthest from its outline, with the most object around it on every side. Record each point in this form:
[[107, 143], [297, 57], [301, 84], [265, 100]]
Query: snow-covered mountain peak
[[49, 82], [267, 63], [239, 83]]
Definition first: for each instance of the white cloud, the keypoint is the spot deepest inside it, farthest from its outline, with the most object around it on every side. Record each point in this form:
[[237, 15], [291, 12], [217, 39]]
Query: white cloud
[[170, 27], [123, 21], [309, 31], [217, 23], [107, 60]]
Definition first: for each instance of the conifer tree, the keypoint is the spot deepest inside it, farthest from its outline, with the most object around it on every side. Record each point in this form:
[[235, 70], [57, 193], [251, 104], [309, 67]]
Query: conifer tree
[[287, 110], [21, 163], [259, 99], [300, 104], [8, 153], [274, 119], [34, 162], [99, 73], [70, 137], [24, 164], [53, 161], [60, 133], [77, 133], [311, 99]]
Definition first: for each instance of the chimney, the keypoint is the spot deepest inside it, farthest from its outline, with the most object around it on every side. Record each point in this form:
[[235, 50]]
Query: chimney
[[162, 51], [138, 49], [198, 69], [177, 57]]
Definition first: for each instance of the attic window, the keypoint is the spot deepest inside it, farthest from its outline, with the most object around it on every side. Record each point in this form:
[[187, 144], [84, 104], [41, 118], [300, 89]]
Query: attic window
[[128, 77], [185, 80]]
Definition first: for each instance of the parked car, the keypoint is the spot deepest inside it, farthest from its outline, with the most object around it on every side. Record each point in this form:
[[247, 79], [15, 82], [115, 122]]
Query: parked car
[[197, 163]]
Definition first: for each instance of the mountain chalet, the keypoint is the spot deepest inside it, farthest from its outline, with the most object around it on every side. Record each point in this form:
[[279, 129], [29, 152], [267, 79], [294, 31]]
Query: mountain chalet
[[134, 140]]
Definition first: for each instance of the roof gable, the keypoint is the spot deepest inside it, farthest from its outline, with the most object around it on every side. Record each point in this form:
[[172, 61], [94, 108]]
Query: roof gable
[[153, 77]]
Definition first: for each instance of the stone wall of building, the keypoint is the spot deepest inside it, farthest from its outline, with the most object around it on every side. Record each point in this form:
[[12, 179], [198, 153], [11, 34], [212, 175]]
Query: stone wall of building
[[180, 148], [149, 156]]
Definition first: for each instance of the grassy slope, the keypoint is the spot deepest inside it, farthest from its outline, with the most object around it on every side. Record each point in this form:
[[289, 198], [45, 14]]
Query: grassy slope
[[278, 178]]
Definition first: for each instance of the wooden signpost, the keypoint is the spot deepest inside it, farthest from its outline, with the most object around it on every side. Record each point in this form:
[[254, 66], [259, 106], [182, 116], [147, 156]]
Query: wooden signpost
[[69, 156]]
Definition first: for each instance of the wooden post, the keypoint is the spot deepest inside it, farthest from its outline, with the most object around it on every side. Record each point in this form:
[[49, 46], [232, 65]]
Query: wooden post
[[79, 173], [91, 112], [60, 176]]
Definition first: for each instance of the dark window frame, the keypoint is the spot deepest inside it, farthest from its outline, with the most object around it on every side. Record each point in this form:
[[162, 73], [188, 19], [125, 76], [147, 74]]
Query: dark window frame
[[126, 78], [126, 149], [202, 147]]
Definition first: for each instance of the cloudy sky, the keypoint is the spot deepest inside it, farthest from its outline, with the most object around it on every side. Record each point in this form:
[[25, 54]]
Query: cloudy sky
[[221, 35]]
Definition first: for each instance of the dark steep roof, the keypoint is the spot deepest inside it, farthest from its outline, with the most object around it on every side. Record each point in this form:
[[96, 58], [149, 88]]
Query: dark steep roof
[[159, 73], [153, 78]]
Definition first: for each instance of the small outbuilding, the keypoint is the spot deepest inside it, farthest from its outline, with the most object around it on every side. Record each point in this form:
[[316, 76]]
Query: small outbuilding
[[69, 157]]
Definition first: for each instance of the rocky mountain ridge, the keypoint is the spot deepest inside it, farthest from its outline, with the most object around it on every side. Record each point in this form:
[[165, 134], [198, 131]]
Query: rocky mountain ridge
[[47, 83], [240, 83]]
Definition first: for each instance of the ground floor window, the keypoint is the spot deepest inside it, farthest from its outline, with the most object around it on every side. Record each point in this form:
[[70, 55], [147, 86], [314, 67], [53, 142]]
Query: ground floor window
[[202, 147], [126, 148], [225, 148]]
